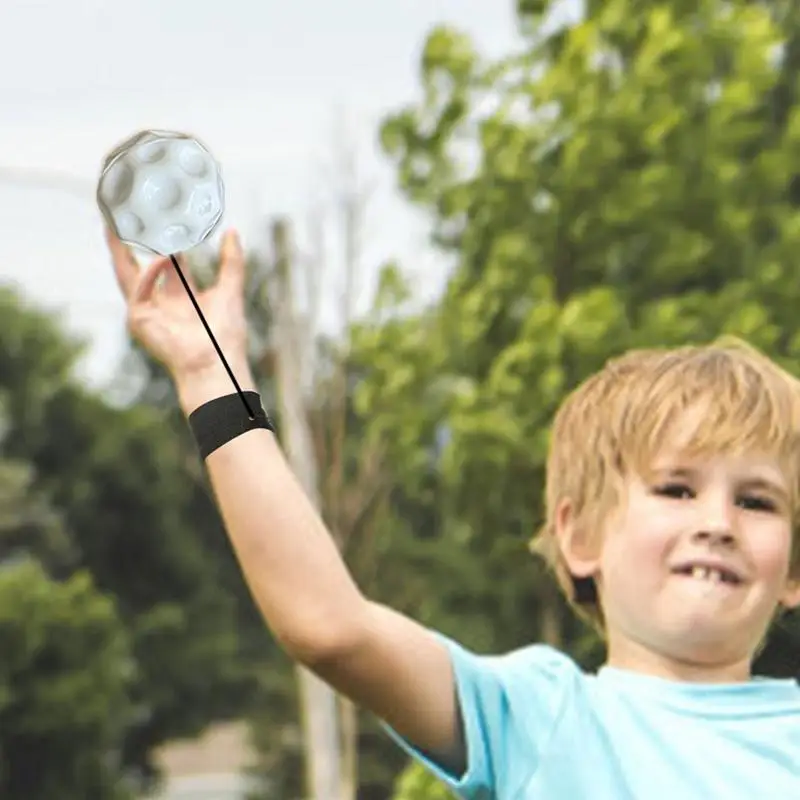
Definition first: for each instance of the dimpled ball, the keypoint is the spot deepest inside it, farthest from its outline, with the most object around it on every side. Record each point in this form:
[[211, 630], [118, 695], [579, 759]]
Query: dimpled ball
[[161, 191]]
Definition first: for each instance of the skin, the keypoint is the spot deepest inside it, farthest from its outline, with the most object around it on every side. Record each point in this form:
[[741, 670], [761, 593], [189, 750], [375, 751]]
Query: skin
[[732, 509]]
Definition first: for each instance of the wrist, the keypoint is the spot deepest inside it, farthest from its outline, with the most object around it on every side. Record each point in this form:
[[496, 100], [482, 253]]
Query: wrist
[[197, 387]]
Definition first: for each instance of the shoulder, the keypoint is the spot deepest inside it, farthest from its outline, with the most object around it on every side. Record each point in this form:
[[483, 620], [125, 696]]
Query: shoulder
[[509, 706], [538, 677], [520, 664]]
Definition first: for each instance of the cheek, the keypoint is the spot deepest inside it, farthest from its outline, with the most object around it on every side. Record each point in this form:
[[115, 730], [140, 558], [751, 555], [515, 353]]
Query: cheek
[[770, 551], [638, 549]]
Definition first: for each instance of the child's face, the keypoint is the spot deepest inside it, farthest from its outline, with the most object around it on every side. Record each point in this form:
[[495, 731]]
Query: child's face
[[667, 606]]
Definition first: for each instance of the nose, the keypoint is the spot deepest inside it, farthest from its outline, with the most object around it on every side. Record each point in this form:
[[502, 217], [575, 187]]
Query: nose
[[717, 526], [715, 538]]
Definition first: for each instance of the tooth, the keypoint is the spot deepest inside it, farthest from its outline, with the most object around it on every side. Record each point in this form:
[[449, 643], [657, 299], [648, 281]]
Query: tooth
[[715, 575], [699, 572]]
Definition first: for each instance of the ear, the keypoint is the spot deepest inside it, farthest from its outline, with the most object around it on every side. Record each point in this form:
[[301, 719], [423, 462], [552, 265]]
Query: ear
[[580, 553]]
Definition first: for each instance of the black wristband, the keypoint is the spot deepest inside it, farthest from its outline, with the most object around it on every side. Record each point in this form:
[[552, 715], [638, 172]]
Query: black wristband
[[218, 421]]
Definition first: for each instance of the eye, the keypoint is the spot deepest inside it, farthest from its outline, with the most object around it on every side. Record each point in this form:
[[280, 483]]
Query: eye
[[752, 502], [676, 491]]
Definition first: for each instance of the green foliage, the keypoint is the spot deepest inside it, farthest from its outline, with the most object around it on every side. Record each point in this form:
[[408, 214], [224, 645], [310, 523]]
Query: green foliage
[[627, 181], [415, 783], [65, 680], [99, 490]]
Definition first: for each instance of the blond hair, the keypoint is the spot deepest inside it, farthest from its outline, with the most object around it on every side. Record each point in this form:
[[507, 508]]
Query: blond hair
[[615, 423]]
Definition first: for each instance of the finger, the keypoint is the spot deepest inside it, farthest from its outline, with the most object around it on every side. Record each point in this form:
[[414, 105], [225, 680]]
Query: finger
[[146, 284], [126, 267], [173, 285], [231, 267]]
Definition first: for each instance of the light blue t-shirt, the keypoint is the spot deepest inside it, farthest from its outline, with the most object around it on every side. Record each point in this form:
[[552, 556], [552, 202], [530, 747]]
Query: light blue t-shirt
[[538, 728]]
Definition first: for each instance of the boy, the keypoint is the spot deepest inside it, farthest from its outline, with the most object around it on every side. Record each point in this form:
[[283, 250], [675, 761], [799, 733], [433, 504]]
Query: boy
[[672, 499]]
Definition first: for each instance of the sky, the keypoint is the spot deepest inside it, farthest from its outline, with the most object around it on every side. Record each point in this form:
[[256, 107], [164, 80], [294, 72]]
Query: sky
[[264, 84]]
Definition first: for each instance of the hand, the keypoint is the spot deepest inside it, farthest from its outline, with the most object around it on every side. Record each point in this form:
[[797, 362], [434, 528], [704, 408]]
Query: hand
[[164, 321]]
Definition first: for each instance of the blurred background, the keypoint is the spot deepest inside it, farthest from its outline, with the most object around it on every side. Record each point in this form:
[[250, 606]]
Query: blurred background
[[467, 207]]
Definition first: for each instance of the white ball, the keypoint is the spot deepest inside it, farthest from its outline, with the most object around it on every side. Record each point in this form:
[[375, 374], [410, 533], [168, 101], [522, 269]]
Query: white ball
[[162, 191]]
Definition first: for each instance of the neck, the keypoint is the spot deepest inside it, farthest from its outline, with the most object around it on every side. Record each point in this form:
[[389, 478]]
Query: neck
[[635, 657]]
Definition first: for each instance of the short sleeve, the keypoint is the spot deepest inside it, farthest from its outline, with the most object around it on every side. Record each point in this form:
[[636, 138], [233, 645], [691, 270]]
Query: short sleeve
[[509, 706]]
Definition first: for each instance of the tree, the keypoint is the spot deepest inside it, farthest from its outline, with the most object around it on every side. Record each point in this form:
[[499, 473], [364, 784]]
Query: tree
[[118, 491], [66, 668], [64, 687], [627, 180], [66, 662], [29, 524], [625, 141]]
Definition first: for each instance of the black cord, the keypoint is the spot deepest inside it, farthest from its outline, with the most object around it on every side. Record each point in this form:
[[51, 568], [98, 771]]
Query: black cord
[[239, 391]]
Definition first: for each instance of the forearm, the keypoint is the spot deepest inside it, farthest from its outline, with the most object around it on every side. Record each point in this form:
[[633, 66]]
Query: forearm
[[290, 561]]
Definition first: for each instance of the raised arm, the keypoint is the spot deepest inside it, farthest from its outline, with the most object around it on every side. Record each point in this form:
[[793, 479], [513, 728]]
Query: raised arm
[[376, 657]]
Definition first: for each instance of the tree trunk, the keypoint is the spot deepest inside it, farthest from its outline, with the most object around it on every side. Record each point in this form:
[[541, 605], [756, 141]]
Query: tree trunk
[[318, 705], [348, 717]]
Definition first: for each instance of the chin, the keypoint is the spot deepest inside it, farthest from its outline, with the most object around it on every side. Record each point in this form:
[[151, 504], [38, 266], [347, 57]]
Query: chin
[[706, 645]]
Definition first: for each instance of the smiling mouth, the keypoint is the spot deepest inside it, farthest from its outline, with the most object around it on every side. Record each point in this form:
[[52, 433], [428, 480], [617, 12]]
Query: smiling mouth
[[709, 574]]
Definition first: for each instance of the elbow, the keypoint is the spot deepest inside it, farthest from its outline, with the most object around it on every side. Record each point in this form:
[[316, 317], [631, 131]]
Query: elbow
[[324, 641]]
